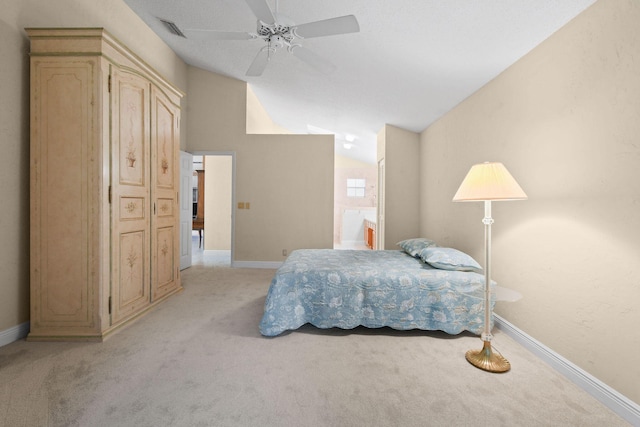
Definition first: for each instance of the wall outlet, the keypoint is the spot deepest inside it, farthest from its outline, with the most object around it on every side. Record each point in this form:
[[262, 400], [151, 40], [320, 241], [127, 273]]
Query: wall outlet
[[240, 205], [284, 252], [247, 205]]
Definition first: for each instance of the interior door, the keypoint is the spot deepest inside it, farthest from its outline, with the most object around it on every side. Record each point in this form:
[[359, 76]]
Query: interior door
[[186, 208]]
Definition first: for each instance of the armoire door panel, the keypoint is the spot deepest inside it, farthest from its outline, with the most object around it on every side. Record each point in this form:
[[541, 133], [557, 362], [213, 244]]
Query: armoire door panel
[[132, 130], [165, 265], [165, 138], [132, 208], [62, 136], [130, 217], [165, 177], [166, 207], [131, 292]]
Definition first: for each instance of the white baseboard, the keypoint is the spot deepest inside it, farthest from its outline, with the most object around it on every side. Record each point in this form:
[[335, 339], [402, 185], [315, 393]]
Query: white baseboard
[[615, 401], [256, 264], [216, 252], [14, 333]]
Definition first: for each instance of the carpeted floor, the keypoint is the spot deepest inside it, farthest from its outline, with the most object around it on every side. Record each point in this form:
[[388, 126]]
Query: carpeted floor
[[199, 360]]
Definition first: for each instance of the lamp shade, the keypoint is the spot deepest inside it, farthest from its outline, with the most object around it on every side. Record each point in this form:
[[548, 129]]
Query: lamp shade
[[488, 181]]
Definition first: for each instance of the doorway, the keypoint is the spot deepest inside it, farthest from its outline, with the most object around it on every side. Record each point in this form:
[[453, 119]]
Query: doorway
[[355, 203], [214, 189]]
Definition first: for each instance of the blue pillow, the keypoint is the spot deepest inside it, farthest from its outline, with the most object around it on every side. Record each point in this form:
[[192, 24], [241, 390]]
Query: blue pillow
[[449, 259], [414, 246]]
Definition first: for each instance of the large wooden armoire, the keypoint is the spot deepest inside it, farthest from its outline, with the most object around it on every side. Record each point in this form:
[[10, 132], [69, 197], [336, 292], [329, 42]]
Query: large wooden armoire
[[104, 185]]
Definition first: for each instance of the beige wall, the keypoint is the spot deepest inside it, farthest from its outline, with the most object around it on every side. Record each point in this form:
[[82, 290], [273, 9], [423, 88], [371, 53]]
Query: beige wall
[[400, 150], [120, 21], [565, 120], [218, 198], [217, 108], [287, 179]]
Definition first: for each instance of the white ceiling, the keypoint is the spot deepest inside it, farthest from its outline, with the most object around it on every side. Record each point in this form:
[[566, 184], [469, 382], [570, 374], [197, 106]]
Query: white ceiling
[[411, 62]]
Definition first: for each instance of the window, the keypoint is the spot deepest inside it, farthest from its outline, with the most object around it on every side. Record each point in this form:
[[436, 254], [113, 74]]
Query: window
[[355, 187]]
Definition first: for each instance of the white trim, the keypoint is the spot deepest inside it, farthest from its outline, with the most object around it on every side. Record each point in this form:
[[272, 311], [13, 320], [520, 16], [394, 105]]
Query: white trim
[[216, 252], [14, 333], [256, 264], [609, 397]]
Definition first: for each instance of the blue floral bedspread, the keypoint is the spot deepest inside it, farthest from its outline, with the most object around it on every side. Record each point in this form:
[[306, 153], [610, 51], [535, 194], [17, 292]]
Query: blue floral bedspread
[[347, 288]]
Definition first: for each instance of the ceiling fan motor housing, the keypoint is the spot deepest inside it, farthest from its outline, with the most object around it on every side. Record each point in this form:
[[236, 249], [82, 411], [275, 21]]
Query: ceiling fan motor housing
[[275, 34]]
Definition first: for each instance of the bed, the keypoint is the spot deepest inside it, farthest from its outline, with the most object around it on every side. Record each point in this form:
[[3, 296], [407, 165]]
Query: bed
[[348, 288]]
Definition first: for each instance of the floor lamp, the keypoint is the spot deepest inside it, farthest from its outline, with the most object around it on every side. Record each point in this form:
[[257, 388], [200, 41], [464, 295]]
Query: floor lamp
[[487, 182]]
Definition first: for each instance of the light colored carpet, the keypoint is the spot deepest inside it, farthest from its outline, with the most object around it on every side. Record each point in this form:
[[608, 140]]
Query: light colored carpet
[[199, 360]]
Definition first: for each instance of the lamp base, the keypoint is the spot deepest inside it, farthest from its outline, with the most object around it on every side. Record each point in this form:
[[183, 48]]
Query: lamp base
[[487, 360]]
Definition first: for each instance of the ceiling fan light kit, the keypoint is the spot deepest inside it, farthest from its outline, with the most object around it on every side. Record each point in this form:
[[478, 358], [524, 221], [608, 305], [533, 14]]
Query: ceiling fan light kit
[[278, 32]]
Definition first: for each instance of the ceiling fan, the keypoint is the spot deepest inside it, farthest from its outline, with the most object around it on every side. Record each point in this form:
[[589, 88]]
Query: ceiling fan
[[279, 32]]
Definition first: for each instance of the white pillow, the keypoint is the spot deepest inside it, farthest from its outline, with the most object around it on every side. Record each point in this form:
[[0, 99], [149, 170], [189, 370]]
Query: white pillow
[[449, 259]]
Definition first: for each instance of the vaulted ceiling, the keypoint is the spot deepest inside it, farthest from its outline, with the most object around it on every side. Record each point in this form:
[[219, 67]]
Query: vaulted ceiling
[[411, 62]]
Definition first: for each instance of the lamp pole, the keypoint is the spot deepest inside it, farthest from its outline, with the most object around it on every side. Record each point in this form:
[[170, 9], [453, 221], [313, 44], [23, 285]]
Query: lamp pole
[[486, 359], [487, 221]]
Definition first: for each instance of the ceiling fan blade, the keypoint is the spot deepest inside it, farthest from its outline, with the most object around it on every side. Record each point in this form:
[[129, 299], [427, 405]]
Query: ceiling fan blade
[[313, 59], [217, 35], [328, 27], [261, 9], [260, 62]]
